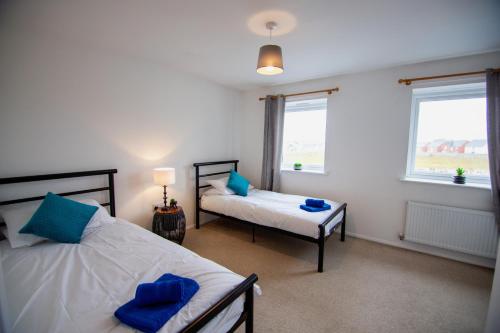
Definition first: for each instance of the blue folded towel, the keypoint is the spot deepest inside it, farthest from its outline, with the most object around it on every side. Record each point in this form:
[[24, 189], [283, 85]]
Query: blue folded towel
[[159, 292], [315, 203], [151, 318], [315, 209]]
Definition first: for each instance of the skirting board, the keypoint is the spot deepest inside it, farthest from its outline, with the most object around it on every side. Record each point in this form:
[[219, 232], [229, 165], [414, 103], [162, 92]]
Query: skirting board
[[468, 259], [483, 262]]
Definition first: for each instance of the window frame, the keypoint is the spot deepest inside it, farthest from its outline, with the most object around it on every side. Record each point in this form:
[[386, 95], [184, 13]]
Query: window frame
[[321, 171], [437, 93]]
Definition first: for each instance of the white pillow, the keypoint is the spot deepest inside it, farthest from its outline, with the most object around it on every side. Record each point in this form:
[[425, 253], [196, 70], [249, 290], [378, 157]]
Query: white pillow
[[15, 219], [100, 218], [220, 185]]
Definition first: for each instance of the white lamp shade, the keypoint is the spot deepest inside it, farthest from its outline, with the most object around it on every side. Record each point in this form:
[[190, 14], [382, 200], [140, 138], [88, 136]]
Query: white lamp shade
[[164, 176]]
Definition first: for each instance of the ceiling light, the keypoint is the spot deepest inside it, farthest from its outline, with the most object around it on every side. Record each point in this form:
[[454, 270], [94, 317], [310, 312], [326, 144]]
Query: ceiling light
[[270, 60]]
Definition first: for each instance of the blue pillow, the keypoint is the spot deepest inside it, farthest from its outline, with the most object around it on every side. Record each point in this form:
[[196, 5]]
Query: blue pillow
[[60, 219], [238, 183]]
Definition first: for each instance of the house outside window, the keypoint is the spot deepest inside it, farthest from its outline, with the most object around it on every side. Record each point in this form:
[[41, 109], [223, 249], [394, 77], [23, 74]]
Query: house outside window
[[304, 133], [448, 131]]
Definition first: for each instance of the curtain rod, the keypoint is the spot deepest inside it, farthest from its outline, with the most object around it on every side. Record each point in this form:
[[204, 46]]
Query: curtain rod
[[328, 91], [409, 81]]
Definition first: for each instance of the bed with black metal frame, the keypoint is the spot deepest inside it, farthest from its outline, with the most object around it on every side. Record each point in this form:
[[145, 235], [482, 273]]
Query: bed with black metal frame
[[322, 227], [245, 287]]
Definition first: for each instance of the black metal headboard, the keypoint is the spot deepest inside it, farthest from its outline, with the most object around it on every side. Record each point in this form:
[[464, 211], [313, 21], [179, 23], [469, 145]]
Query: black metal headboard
[[198, 176], [26, 179]]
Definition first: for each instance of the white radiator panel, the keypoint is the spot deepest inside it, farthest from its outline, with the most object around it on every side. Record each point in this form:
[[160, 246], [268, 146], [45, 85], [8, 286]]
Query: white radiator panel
[[464, 230]]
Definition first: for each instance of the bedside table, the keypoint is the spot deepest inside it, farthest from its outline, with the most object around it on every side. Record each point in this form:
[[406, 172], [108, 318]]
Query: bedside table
[[170, 223]]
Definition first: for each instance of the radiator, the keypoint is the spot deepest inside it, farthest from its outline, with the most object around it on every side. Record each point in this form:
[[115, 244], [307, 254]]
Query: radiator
[[464, 230]]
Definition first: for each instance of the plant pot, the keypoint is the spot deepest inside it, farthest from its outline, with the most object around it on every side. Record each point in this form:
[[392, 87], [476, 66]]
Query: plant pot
[[459, 179], [297, 168]]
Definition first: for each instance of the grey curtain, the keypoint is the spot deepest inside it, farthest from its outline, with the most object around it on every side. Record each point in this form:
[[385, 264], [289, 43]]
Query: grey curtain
[[493, 128], [273, 137]]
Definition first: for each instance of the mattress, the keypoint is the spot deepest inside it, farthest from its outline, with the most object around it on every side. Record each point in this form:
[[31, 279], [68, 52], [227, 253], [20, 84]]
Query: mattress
[[272, 209], [52, 287]]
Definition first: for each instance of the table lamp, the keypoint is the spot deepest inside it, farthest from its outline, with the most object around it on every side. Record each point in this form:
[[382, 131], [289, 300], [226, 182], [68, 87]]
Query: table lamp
[[164, 177]]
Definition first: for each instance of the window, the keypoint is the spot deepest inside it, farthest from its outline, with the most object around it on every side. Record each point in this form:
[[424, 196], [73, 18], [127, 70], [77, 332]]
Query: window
[[304, 134], [448, 131]]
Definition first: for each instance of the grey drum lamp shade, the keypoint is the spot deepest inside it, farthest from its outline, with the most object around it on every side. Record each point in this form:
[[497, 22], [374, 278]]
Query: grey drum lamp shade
[[270, 60]]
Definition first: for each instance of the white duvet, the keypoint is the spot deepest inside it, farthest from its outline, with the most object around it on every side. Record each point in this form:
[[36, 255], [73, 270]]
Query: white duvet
[[272, 209], [52, 287]]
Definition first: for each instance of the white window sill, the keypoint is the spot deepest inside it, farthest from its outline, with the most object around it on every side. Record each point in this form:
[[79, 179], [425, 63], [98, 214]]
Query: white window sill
[[446, 183], [312, 172]]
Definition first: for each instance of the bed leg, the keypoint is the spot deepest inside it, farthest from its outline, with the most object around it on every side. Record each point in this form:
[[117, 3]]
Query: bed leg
[[321, 248], [197, 198], [253, 234], [249, 310], [342, 227], [321, 254], [197, 219]]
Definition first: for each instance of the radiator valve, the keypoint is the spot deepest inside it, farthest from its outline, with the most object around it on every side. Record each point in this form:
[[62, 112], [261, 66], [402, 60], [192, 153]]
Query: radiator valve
[[401, 236]]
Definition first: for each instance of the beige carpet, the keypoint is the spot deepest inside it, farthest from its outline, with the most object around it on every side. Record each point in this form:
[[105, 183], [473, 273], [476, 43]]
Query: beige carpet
[[366, 287]]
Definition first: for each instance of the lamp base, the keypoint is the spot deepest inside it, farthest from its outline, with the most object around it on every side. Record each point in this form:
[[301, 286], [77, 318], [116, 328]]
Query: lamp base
[[165, 197]]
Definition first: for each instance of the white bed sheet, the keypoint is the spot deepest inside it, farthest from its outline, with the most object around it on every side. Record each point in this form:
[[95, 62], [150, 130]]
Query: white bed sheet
[[272, 209], [53, 287]]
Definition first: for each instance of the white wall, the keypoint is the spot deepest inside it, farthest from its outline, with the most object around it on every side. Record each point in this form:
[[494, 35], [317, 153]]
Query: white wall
[[68, 106], [367, 142]]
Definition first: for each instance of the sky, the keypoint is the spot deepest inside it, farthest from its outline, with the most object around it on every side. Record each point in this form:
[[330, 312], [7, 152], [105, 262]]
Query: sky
[[463, 119], [305, 126]]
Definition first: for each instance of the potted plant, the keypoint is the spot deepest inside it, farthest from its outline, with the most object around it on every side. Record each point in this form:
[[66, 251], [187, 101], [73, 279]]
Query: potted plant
[[459, 178], [173, 203], [297, 166]]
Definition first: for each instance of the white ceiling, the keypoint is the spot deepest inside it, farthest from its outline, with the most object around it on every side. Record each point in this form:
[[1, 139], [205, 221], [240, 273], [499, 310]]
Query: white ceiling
[[211, 38]]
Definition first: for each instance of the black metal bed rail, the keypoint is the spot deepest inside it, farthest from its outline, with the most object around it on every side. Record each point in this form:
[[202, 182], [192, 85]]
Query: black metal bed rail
[[245, 287], [215, 163], [214, 174], [26, 179], [64, 194]]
